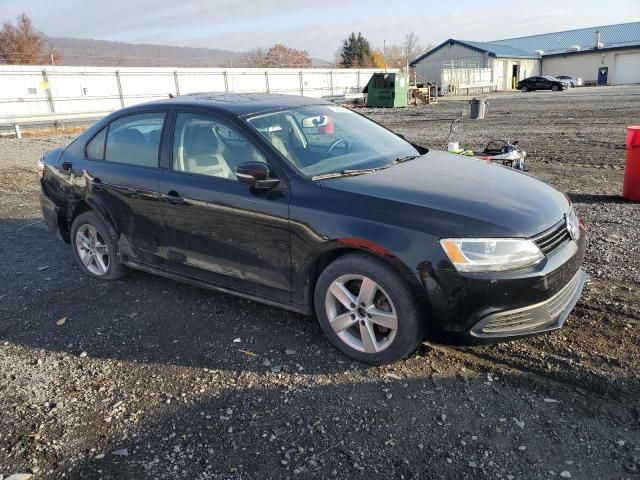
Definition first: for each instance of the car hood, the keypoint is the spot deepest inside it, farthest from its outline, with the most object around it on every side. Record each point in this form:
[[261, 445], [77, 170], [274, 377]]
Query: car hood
[[451, 194]]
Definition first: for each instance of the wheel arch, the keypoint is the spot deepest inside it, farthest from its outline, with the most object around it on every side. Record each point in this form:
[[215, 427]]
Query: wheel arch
[[65, 219], [78, 209], [343, 247]]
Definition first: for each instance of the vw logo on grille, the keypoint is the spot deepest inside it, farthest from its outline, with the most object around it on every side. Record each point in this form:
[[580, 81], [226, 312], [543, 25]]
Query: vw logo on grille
[[572, 229]]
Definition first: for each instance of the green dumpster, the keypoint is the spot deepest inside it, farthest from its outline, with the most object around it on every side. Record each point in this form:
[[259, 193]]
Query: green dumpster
[[387, 90]]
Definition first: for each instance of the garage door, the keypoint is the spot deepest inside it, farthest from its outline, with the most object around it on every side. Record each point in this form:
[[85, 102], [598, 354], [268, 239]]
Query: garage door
[[627, 68]]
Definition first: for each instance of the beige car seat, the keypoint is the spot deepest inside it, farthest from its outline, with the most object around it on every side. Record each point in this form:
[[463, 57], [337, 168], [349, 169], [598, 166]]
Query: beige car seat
[[280, 140], [203, 152]]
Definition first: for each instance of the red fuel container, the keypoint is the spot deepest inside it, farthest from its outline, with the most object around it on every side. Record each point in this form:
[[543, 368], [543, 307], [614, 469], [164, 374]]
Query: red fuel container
[[631, 184]]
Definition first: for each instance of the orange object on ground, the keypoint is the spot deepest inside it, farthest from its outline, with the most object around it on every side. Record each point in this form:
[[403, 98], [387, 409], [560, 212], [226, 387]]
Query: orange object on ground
[[631, 184]]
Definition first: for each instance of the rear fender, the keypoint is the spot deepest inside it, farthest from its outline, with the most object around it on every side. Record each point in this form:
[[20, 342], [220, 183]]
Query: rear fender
[[90, 204]]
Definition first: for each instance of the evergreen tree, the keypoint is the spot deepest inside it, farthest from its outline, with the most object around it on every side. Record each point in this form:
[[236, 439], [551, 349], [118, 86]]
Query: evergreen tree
[[356, 51]]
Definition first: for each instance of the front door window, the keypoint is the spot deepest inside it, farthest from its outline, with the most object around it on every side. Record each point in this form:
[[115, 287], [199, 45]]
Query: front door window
[[207, 146]]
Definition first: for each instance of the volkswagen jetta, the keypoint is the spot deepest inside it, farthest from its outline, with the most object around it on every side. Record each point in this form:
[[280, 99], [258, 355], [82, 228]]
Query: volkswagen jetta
[[302, 204]]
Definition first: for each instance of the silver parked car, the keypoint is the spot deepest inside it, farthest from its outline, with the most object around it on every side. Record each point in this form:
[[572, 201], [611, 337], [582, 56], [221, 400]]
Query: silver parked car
[[572, 81]]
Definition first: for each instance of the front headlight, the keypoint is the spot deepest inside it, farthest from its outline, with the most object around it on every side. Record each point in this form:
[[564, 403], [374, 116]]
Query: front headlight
[[491, 254]]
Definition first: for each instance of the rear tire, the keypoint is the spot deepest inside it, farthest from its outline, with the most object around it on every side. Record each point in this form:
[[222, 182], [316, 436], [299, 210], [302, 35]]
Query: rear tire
[[94, 249], [367, 310]]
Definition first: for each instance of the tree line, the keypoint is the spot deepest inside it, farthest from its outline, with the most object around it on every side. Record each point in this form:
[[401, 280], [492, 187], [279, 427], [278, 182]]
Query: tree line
[[356, 51], [21, 43]]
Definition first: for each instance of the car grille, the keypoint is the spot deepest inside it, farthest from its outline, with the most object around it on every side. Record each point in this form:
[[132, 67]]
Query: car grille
[[560, 301], [535, 318], [551, 240], [514, 322]]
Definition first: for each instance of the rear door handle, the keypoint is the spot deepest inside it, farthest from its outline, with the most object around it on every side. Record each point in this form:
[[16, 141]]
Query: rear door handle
[[173, 197]]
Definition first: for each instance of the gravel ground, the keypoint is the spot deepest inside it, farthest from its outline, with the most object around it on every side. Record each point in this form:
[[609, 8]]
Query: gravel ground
[[148, 378]]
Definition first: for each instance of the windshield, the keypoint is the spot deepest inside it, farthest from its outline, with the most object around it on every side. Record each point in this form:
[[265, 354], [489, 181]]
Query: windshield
[[325, 139]]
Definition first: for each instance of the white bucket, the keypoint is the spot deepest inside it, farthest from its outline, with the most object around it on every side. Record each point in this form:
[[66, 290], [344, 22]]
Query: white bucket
[[453, 146]]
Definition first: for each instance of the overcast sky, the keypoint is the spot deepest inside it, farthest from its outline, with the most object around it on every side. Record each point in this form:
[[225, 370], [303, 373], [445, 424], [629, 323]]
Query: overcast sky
[[314, 25]]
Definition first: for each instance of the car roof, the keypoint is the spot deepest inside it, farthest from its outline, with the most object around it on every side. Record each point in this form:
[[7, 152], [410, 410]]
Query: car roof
[[237, 104]]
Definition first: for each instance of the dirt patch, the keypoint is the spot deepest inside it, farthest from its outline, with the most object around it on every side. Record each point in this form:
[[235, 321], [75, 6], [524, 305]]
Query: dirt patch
[[48, 132]]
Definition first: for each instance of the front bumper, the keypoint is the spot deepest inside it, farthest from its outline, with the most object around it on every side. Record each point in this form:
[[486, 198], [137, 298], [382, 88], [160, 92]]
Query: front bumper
[[542, 317], [485, 308]]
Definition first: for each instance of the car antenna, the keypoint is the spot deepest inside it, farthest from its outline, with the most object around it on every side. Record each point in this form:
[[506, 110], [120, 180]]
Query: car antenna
[[171, 95]]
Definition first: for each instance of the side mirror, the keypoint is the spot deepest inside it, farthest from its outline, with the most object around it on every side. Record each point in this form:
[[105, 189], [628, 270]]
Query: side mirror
[[256, 175]]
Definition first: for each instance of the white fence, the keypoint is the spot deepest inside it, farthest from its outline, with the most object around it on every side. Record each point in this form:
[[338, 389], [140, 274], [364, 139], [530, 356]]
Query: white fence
[[30, 90]]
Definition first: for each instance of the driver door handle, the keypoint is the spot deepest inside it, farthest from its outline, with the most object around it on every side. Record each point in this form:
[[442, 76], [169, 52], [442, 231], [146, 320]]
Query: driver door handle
[[173, 198]]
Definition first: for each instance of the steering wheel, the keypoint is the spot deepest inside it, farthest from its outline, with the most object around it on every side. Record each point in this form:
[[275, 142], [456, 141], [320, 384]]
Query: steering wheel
[[335, 143]]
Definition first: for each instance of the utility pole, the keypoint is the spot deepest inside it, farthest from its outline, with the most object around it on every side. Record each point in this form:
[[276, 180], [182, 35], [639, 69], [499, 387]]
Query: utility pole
[[406, 56], [384, 53]]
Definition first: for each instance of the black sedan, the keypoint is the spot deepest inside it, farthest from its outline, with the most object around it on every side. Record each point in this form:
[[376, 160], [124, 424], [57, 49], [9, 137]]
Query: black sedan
[[542, 83], [302, 204]]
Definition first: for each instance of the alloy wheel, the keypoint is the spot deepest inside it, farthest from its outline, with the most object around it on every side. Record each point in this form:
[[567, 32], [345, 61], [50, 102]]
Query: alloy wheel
[[361, 313], [92, 249]]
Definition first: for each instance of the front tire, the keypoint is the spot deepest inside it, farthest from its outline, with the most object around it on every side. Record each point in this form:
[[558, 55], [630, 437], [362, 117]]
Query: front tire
[[525, 89], [94, 249], [367, 310], [555, 88]]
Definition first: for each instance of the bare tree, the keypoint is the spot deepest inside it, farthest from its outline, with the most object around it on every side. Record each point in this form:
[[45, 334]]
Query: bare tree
[[23, 44], [411, 47], [256, 58], [281, 56], [395, 56], [399, 56]]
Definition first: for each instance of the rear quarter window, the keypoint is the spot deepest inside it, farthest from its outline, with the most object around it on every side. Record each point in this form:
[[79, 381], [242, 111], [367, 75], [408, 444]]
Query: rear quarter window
[[95, 147]]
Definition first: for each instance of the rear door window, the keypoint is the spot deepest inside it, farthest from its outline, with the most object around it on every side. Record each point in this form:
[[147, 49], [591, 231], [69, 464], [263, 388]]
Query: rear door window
[[135, 139]]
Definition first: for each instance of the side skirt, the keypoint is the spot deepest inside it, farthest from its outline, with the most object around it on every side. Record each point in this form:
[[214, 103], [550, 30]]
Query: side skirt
[[209, 286]]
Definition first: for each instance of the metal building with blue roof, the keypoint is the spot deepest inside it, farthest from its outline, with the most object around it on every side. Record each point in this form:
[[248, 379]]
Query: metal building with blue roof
[[603, 55], [609, 36]]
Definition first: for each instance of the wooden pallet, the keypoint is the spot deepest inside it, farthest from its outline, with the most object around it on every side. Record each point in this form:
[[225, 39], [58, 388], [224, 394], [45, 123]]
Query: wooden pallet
[[425, 95]]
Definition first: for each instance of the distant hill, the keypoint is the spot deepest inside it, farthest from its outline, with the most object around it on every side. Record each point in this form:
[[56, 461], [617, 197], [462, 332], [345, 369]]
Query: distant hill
[[78, 51]]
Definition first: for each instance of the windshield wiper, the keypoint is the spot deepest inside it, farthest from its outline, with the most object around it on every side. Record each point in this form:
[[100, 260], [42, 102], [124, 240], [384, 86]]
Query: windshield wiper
[[362, 171], [347, 173], [404, 159], [401, 160]]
